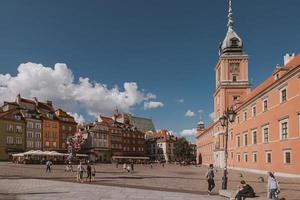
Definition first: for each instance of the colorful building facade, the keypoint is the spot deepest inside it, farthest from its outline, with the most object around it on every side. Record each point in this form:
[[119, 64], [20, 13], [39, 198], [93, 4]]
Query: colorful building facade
[[12, 133], [67, 128], [42, 127]]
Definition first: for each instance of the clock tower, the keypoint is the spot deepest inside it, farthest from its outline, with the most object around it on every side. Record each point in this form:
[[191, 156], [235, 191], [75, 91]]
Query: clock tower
[[231, 71]]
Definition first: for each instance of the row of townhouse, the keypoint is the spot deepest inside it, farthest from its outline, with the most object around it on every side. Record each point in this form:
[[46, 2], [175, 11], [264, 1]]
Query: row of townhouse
[[32, 125], [111, 137]]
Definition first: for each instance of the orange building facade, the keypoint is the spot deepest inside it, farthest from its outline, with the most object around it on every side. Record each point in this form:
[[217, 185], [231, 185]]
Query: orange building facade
[[266, 133]]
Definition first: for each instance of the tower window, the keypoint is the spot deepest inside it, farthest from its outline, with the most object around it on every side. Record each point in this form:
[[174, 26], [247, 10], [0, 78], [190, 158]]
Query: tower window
[[234, 78], [234, 68], [234, 42]]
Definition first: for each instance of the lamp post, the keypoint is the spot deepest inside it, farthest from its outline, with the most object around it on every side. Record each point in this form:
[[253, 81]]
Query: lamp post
[[228, 117]]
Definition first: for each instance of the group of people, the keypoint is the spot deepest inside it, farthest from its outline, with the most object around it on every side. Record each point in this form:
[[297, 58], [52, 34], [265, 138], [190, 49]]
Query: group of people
[[128, 167], [90, 171], [244, 189]]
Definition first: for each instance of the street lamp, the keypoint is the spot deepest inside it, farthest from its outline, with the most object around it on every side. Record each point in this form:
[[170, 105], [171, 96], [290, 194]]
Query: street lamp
[[228, 117]]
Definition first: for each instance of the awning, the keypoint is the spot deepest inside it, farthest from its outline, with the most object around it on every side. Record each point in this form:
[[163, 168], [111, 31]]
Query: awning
[[130, 157]]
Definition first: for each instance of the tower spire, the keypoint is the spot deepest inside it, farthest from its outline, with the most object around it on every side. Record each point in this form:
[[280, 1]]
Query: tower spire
[[230, 16]]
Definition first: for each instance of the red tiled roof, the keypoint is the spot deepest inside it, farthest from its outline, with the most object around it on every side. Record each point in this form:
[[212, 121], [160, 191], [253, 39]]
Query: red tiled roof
[[294, 63], [27, 101], [4, 114], [107, 120], [45, 106]]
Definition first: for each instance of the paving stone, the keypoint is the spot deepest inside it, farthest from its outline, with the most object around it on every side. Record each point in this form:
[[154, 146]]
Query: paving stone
[[144, 181]]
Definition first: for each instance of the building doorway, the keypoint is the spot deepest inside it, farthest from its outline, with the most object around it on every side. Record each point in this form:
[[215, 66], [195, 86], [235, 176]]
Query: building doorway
[[199, 159]]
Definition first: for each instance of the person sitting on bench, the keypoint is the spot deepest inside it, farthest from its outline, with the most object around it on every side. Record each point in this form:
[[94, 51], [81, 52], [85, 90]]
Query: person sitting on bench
[[244, 191]]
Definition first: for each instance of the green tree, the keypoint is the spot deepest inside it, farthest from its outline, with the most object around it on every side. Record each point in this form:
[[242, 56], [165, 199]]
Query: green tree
[[183, 150]]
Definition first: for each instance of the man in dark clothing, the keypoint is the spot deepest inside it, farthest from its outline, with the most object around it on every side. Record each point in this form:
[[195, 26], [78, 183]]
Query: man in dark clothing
[[210, 178], [89, 172], [244, 191], [132, 166], [48, 166]]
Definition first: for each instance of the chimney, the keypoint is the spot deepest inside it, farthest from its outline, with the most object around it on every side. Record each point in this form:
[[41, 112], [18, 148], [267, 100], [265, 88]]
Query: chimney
[[18, 99], [35, 100], [288, 57]]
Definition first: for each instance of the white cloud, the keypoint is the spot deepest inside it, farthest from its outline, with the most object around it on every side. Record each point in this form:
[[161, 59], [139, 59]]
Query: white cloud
[[188, 132], [189, 113], [181, 100], [58, 84], [212, 116], [152, 104], [78, 118]]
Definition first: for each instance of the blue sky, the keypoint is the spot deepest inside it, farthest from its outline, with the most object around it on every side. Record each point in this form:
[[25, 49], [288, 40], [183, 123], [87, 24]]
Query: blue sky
[[167, 47]]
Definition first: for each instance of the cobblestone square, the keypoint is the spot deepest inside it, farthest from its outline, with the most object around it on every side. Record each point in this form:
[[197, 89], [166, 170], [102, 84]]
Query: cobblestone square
[[169, 182]]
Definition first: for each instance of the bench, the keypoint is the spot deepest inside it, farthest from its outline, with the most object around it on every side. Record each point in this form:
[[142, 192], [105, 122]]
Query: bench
[[231, 195]]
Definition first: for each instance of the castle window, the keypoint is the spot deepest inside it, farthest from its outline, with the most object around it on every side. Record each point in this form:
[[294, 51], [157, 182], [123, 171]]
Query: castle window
[[238, 141], [265, 105], [268, 157], [284, 129], [255, 157], [246, 139], [253, 111], [265, 134], [287, 156], [283, 95], [254, 137], [245, 116], [245, 157]]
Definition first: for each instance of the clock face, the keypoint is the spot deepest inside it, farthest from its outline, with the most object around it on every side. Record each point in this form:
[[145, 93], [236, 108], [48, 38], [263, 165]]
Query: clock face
[[234, 68]]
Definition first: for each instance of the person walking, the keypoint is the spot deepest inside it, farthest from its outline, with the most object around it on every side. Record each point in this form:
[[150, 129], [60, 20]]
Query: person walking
[[128, 168], [210, 178], [132, 166], [48, 166], [89, 172], [80, 171], [93, 172], [273, 187]]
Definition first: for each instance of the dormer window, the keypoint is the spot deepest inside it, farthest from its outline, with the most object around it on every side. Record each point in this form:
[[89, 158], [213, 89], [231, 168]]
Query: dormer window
[[17, 117], [234, 42], [50, 116]]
